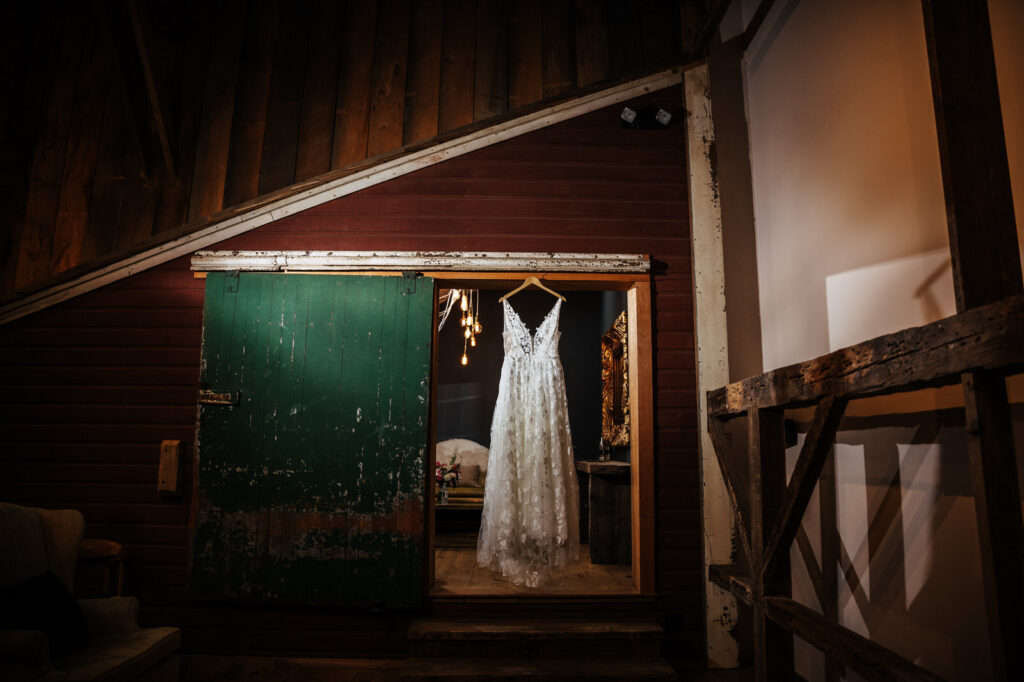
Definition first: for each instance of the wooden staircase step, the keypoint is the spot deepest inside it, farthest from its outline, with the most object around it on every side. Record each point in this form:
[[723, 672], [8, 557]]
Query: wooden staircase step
[[471, 670], [547, 638]]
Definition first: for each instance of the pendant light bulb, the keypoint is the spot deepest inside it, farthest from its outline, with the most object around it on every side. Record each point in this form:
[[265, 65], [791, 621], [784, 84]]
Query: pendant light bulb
[[462, 322], [465, 303], [472, 341], [477, 328], [465, 360], [468, 332]]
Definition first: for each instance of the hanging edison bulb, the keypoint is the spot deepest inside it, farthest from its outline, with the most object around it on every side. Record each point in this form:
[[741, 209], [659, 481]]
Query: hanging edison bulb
[[477, 328], [465, 360], [468, 333], [472, 341], [465, 302]]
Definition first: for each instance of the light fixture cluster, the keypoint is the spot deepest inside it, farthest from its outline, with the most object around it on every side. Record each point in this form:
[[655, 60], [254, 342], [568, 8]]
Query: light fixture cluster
[[469, 304]]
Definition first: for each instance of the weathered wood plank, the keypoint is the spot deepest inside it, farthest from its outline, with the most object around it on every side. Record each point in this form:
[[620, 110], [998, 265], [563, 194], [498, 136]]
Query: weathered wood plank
[[997, 502], [130, 63], [660, 32], [29, 68], [526, 75], [351, 125], [114, 158], [729, 578], [816, 448], [190, 68], [320, 95], [397, 261], [149, 116], [871, 660], [287, 75], [591, 42], [625, 51], [458, 68], [387, 98], [211, 154], [245, 157], [766, 453], [972, 152], [83, 148], [492, 52], [423, 82], [763, 8], [778, 642], [720, 443], [559, 47], [336, 512], [691, 19], [50, 154], [984, 247], [988, 337]]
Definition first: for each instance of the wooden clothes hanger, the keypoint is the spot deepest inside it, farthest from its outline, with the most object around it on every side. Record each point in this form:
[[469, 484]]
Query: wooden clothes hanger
[[534, 281]]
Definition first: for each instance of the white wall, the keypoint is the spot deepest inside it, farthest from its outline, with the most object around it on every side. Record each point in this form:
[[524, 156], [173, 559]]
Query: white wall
[[845, 175]]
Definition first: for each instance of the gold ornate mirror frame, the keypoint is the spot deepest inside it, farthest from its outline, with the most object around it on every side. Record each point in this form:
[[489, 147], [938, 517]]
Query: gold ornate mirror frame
[[615, 384]]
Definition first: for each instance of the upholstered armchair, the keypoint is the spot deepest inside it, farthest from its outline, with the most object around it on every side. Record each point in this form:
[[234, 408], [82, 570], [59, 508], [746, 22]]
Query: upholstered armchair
[[46, 634]]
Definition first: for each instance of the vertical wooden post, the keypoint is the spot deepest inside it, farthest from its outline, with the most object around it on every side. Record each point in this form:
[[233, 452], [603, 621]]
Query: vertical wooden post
[[986, 268], [773, 646], [712, 340], [829, 555], [641, 441]]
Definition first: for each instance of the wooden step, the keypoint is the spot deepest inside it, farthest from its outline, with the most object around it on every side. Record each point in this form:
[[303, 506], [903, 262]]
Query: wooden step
[[471, 670], [540, 638]]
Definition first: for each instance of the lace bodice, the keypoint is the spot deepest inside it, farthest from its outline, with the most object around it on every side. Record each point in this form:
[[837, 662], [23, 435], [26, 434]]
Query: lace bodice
[[519, 342]]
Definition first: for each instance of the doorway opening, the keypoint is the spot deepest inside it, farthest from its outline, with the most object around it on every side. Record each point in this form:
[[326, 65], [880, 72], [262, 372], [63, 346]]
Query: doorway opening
[[614, 529]]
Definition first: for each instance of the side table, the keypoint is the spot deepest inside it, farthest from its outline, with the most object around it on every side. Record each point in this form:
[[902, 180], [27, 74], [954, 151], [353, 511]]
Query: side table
[[606, 503]]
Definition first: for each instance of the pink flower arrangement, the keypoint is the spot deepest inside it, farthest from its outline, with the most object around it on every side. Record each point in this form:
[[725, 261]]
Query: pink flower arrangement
[[447, 474]]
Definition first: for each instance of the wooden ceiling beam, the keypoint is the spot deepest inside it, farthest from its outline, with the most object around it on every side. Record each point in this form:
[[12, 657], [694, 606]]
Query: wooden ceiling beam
[[146, 107], [714, 12], [754, 26]]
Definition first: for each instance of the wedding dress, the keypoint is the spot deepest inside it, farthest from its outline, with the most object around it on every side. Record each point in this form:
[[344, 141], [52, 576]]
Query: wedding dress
[[530, 520]]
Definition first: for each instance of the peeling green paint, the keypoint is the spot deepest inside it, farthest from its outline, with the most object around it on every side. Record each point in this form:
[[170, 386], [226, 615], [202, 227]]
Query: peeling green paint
[[311, 489]]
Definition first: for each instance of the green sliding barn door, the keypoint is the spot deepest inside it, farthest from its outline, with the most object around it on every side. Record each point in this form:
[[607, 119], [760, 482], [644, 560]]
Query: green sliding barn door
[[312, 433]]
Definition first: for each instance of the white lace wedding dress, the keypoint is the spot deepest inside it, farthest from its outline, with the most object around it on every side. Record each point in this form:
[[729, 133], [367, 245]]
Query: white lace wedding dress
[[530, 521]]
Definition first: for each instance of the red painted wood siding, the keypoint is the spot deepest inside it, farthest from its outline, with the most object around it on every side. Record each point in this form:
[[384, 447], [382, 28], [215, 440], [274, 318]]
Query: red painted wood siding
[[90, 388]]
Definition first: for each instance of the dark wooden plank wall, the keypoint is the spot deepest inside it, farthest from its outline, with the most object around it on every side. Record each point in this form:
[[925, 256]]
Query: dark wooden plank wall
[[262, 94], [89, 388]]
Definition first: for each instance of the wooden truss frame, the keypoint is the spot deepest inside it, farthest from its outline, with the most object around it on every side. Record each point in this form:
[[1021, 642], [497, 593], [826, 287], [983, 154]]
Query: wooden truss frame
[[988, 339], [978, 348]]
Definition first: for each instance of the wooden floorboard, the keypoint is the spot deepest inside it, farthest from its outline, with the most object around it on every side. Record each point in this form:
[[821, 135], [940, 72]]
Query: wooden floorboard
[[457, 573]]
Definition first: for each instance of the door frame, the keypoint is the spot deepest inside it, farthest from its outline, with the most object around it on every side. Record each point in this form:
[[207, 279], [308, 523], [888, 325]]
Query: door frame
[[641, 392], [569, 271]]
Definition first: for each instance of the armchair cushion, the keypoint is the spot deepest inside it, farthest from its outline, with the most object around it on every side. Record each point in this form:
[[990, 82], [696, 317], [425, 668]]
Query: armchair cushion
[[121, 657], [111, 615], [43, 603], [22, 547]]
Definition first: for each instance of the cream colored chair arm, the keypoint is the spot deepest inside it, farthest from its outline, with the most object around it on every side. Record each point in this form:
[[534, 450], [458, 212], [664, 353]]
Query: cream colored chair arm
[[111, 615]]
